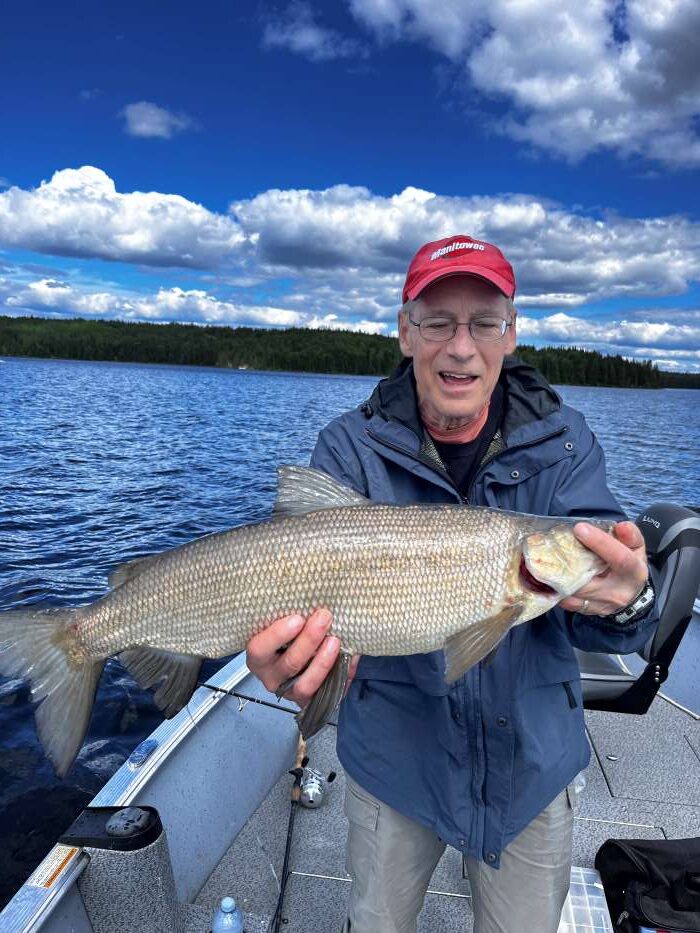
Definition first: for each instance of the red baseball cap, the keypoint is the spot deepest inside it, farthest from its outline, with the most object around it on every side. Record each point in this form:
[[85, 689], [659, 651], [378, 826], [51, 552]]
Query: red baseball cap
[[455, 255]]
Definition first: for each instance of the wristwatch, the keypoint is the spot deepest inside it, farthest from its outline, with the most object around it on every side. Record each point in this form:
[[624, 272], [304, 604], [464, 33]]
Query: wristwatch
[[637, 608]]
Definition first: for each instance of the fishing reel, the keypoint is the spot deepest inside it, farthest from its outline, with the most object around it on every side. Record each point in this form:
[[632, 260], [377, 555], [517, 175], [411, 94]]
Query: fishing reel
[[310, 784], [313, 787]]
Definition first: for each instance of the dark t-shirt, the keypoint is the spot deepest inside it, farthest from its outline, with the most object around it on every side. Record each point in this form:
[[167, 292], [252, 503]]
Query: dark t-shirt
[[462, 460]]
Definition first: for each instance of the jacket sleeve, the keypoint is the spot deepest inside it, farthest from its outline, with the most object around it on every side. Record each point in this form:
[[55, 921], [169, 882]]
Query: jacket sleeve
[[335, 454], [584, 492]]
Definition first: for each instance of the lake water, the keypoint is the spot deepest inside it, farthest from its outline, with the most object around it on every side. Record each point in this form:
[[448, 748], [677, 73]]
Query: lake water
[[102, 463]]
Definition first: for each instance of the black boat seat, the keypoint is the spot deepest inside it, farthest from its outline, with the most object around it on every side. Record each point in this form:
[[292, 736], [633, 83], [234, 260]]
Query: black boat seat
[[672, 536]]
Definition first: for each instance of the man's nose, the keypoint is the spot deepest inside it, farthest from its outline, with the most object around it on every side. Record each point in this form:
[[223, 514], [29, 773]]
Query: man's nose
[[462, 344]]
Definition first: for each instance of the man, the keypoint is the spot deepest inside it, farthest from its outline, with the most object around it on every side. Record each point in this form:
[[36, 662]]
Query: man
[[486, 764]]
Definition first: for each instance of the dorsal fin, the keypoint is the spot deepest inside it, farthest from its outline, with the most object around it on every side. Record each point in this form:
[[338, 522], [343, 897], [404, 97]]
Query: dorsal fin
[[301, 490], [128, 571]]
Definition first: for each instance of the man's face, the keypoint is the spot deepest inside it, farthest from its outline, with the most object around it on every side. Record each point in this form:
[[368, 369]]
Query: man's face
[[445, 397]]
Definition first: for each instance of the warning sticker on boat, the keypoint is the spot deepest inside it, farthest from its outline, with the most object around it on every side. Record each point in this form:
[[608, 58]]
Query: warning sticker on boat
[[48, 872]]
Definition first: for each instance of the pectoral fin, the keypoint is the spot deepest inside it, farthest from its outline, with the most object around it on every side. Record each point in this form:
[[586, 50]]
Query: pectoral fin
[[467, 648], [174, 675], [326, 699]]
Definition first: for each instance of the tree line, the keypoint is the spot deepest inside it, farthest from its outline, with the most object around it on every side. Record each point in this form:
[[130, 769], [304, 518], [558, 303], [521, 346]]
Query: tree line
[[295, 349]]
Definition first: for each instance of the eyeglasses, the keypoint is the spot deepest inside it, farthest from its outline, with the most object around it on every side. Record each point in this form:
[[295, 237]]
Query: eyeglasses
[[442, 329]]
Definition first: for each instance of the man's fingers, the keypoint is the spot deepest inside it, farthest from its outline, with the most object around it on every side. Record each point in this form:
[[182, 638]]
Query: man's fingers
[[263, 648], [577, 604], [612, 551], [320, 667], [630, 535], [304, 646]]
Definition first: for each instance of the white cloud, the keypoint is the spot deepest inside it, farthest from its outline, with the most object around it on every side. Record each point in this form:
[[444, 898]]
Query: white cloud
[[168, 304], [151, 121], [337, 258], [449, 27], [299, 32], [563, 328], [669, 344], [578, 76], [556, 252], [550, 300], [80, 213], [91, 93], [333, 322]]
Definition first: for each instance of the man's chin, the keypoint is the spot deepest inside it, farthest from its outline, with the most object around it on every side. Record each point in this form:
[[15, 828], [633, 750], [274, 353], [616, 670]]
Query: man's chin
[[461, 414]]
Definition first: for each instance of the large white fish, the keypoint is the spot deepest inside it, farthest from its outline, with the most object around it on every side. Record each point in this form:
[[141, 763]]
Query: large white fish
[[398, 580]]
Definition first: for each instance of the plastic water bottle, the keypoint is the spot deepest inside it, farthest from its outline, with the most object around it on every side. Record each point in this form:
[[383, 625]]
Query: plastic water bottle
[[227, 918]]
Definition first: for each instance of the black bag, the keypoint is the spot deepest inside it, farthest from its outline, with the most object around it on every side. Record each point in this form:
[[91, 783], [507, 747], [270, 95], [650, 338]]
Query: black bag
[[652, 883]]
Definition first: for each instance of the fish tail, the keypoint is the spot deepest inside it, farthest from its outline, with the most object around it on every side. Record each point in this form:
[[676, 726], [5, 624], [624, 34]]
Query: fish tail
[[42, 646]]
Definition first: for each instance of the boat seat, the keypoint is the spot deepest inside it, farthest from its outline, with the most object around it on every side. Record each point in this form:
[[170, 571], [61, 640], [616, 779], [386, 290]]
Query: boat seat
[[672, 536]]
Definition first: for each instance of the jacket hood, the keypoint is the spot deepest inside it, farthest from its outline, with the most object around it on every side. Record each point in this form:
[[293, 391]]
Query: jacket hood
[[528, 397]]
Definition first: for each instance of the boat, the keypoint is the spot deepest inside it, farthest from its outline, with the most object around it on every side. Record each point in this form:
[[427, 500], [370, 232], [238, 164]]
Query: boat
[[206, 806]]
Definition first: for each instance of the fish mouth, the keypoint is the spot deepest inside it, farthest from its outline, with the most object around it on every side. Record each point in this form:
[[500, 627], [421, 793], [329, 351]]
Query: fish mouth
[[532, 583]]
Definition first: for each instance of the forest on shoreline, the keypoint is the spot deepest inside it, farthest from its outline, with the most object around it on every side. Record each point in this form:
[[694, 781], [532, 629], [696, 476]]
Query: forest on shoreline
[[291, 350]]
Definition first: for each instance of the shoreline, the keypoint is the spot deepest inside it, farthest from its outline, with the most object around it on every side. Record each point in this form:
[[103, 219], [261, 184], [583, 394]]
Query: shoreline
[[300, 372]]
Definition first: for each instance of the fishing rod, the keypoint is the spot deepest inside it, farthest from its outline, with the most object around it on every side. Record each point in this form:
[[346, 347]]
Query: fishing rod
[[307, 789], [249, 699], [297, 773]]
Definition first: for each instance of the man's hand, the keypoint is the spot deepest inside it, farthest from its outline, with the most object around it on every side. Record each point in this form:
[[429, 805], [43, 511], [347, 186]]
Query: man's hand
[[620, 583], [287, 646]]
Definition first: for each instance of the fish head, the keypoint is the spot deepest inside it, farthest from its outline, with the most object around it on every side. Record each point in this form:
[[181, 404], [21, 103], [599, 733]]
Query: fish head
[[554, 563]]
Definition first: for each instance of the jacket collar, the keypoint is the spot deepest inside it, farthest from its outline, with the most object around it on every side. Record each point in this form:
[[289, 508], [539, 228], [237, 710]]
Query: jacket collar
[[528, 397]]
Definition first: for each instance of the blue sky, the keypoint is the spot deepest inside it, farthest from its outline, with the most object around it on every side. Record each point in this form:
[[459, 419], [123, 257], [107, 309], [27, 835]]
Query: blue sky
[[279, 164]]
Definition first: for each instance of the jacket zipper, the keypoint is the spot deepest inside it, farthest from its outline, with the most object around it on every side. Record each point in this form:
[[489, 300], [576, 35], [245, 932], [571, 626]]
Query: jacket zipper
[[409, 453], [488, 459], [444, 475]]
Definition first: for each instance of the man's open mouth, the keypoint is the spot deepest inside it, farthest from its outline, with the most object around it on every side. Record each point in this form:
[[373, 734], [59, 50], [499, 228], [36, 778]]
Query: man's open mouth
[[532, 583], [457, 379]]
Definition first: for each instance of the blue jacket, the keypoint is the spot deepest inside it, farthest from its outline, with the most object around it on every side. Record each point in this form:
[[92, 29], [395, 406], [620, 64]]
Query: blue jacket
[[478, 760]]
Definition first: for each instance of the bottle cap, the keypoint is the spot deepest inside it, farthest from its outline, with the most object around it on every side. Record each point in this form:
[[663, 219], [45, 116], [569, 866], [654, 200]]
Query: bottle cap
[[228, 905]]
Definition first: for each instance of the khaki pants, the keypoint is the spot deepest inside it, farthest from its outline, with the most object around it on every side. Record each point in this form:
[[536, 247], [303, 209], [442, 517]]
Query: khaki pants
[[391, 860]]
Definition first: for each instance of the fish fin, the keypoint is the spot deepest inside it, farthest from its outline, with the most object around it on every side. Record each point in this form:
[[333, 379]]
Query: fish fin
[[489, 657], [324, 702], [174, 675], [301, 490], [40, 646], [289, 683], [468, 647], [125, 572]]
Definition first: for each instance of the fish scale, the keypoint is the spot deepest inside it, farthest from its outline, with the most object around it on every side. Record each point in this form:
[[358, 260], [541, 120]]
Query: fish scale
[[398, 580]]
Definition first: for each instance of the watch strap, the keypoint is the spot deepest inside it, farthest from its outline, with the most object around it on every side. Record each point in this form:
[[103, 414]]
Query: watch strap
[[639, 606]]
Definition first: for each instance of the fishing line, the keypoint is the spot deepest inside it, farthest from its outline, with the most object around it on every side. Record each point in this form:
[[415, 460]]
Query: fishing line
[[189, 713]]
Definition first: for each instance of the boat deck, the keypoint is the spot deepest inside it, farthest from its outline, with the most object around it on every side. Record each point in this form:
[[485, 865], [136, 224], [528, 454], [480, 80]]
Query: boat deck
[[643, 782]]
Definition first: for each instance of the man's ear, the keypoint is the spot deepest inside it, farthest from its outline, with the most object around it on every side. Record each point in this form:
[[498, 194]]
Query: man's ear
[[405, 335]]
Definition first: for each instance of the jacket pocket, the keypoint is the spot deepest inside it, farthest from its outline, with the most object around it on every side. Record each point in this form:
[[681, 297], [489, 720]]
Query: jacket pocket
[[425, 671]]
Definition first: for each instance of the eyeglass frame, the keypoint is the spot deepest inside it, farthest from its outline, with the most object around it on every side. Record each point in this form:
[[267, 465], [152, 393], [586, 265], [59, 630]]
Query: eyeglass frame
[[505, 324]]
